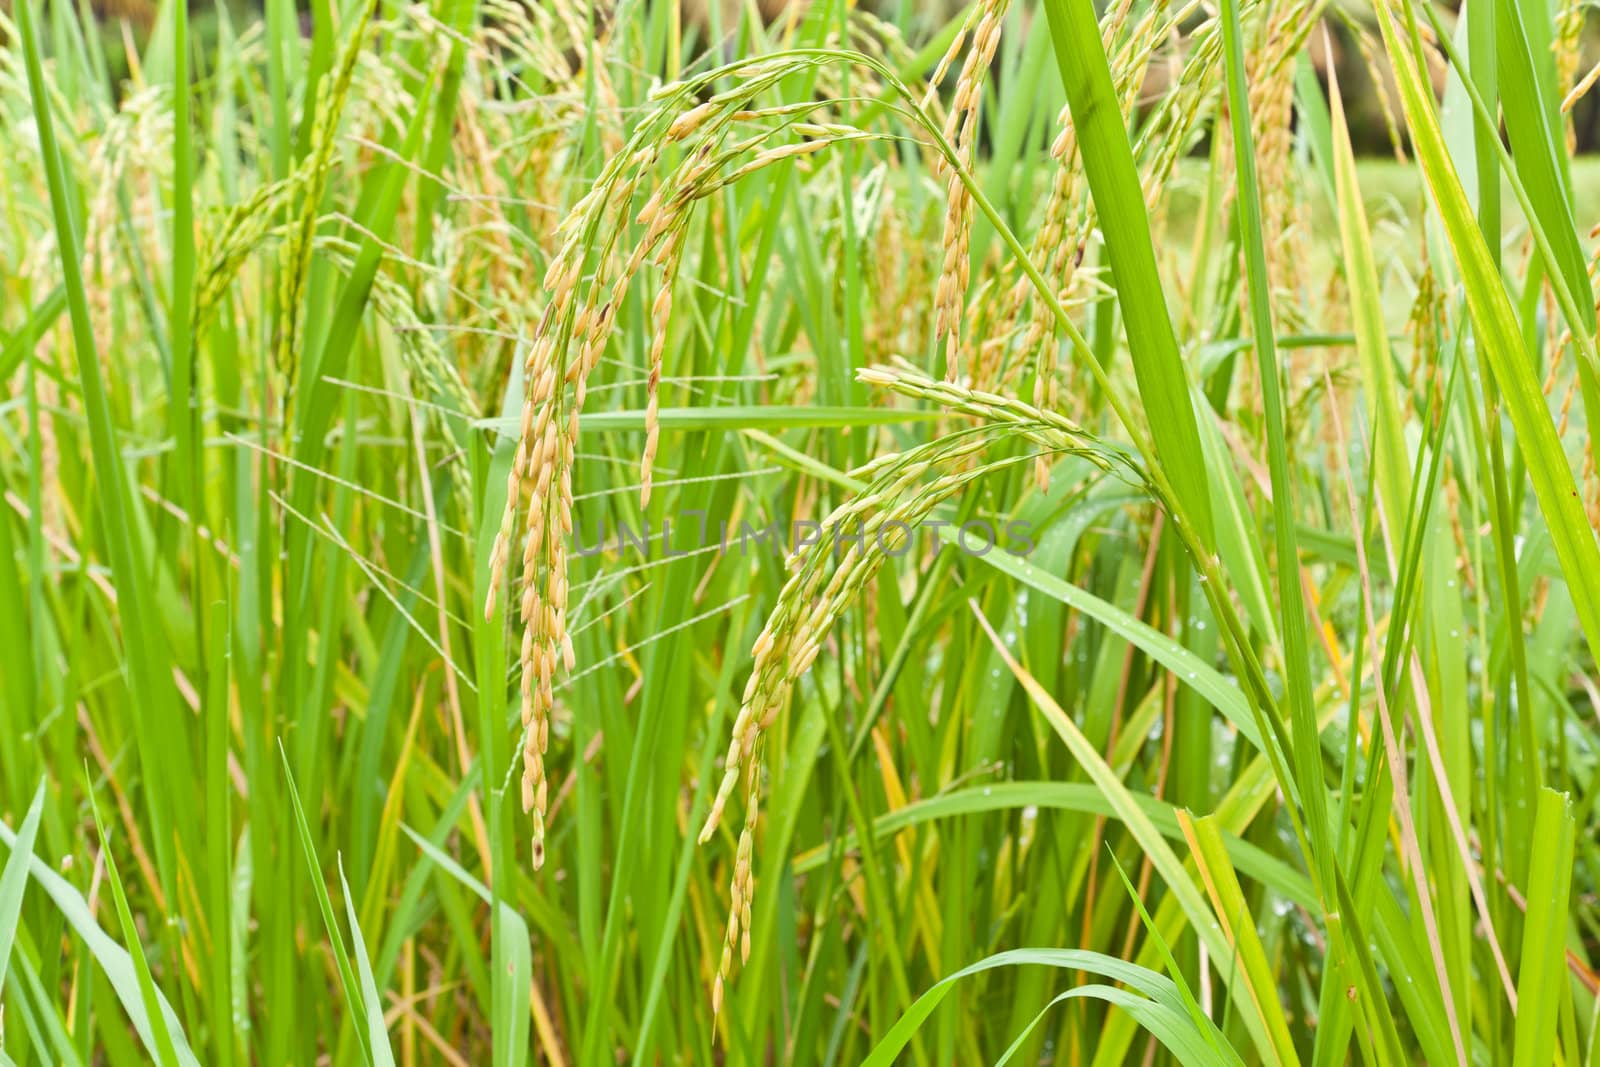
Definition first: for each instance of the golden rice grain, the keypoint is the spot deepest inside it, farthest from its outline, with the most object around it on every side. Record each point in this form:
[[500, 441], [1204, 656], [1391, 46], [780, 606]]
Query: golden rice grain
[[961, 131]]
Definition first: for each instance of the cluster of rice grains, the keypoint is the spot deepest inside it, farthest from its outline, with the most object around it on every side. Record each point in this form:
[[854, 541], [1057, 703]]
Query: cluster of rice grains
[[960, 131], [1059, 241], [699, 141], [702, 147], [1281, 37]]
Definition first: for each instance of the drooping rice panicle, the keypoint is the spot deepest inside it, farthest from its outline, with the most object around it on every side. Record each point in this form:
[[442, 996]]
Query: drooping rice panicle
[[961, 131]]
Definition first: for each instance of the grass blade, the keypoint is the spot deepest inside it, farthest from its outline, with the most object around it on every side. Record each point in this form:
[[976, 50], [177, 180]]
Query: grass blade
[[347, 977], [1542, 985], [1155, 1004], [377, 1032], [159, 1038], [1179, 882], [14, 879], [114, 960], [1119, 199], [1500, 345], [1227, 899]]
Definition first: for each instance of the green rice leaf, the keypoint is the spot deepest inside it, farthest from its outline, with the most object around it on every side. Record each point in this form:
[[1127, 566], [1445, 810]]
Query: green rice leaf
[[1119, 199]]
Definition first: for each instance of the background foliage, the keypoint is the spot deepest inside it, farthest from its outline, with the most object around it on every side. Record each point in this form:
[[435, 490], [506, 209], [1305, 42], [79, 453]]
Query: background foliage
[[1282, 745]]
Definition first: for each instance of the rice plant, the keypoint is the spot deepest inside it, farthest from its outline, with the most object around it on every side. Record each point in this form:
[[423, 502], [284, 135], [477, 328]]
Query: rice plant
[[536, 532]]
